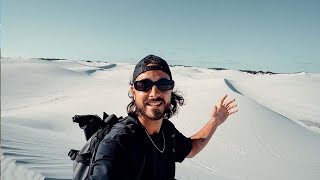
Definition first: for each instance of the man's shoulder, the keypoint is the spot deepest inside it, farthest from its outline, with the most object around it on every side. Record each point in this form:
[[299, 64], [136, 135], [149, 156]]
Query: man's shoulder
[[122, 130], [168, 125]]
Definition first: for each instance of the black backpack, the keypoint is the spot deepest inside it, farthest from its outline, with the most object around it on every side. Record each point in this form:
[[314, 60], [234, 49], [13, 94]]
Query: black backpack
[[95, 130]]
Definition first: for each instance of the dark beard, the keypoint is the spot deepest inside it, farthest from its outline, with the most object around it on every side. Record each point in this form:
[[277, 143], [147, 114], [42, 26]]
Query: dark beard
[[157, 113]]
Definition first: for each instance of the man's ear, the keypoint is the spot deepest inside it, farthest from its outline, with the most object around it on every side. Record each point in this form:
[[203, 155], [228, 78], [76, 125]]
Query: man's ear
[[132, 91]]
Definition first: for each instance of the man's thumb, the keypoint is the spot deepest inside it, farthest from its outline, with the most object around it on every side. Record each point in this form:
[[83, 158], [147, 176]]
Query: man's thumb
[[214, 110]]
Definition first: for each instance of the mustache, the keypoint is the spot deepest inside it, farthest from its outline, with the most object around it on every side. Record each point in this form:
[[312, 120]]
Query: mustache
[[150, 100]]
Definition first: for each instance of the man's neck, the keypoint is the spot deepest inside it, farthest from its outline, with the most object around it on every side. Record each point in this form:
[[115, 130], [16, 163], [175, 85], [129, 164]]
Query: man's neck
[[152, 126]]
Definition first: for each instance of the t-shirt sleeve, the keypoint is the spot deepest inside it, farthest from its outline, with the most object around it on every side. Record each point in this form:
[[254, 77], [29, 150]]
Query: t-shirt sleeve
[[182, 147]]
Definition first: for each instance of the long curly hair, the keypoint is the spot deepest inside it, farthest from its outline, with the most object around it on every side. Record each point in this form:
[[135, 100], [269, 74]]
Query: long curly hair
[[176, 99]]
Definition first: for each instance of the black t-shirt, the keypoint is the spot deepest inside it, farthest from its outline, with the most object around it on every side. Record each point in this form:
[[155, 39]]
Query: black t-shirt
[[122, 155], [161, 165]]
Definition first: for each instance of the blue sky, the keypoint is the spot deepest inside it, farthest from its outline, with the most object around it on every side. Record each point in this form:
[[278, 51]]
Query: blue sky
[[275, 35]]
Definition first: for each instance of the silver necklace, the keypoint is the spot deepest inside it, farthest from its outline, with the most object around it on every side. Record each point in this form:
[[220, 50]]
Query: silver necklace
[[164, 142]]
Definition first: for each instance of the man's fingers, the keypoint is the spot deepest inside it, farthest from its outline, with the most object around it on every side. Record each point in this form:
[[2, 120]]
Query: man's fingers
[[230, 107], [233, 112], [229, 102], [222, 100]]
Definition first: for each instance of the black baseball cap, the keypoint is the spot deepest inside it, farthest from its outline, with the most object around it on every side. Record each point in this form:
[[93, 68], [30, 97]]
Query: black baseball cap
[[142, 66]]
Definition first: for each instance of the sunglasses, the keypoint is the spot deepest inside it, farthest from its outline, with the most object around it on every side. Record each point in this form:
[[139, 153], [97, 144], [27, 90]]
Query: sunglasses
[[146, 84]]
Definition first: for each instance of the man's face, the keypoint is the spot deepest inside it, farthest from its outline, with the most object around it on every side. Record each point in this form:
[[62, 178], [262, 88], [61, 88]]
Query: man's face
[[152, 104]]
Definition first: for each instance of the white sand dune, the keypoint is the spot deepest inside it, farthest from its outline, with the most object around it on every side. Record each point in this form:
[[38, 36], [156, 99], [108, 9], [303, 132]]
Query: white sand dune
[[89, 67], [10, 170], [269, 138]]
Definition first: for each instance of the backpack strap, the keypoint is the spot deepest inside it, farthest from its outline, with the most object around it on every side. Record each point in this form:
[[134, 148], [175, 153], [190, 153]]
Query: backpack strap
[[111, 120], [84, 158]]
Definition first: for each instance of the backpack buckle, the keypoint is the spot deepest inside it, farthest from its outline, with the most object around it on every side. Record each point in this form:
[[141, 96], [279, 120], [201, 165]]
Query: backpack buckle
[[73, 154]]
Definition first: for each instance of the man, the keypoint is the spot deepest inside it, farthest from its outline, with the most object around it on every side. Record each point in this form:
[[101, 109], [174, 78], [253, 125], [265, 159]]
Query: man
[[146, 145]]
